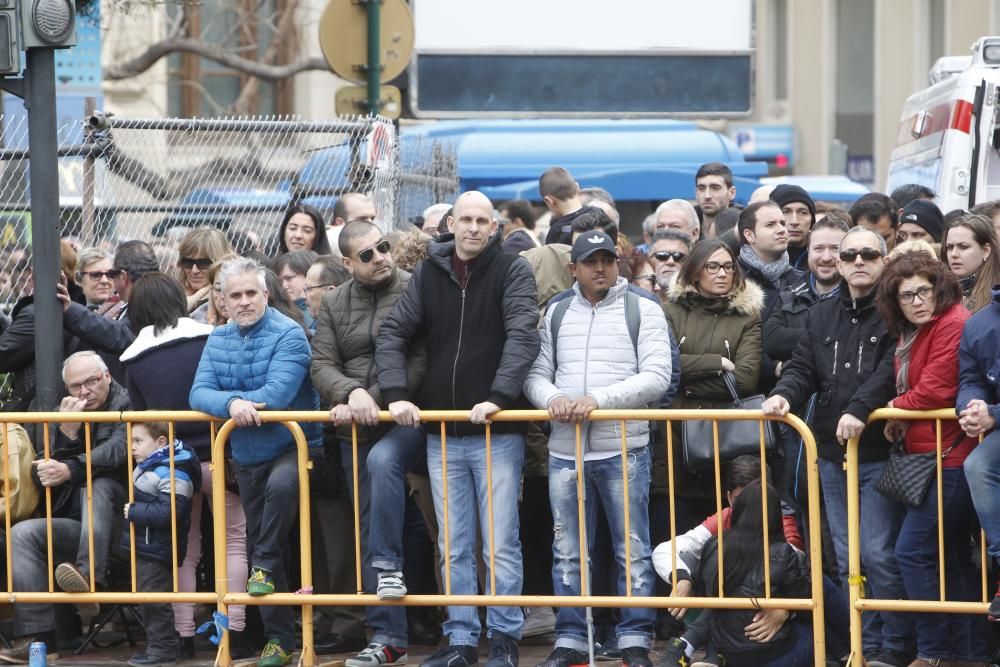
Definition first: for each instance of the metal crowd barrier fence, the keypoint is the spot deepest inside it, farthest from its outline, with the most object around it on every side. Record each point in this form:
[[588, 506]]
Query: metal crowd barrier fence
[[856, 580], [307, 599]]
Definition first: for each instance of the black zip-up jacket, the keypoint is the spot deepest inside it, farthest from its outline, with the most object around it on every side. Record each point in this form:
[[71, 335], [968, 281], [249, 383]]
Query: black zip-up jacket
[[845, 357], [783, 329], [480, 340], [791, 279]]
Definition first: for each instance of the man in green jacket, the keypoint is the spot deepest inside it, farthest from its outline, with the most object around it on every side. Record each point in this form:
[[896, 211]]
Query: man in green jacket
[[343, 371]]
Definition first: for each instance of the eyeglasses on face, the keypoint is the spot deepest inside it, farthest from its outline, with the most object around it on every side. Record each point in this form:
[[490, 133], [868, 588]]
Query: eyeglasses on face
[[867, 254], [368, 254], [111, 274], [715, 267], [88, 384], [203, 263], [646, 276], [309, 288], [924, 293], [664, 255]]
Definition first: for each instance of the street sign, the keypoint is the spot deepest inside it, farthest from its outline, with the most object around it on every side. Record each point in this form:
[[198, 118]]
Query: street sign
[[343, 37], [354, 100]]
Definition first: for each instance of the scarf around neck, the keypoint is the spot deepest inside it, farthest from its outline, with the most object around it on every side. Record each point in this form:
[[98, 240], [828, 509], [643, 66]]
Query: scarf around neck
[[772, 271], [903, 354]]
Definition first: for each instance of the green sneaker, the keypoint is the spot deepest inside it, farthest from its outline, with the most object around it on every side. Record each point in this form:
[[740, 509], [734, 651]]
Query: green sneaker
[[274, 656], [260, 583]]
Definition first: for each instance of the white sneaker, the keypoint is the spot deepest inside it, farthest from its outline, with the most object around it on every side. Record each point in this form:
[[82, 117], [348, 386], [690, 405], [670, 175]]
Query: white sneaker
[[390, 586], [377, 655], [538, 621]]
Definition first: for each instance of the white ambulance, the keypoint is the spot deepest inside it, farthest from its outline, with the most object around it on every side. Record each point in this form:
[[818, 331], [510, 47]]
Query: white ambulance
[[948, 137]]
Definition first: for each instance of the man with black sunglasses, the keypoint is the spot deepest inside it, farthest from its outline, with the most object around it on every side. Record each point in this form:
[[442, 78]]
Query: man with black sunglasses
[[846, 359], [667, 253], [343, 372]]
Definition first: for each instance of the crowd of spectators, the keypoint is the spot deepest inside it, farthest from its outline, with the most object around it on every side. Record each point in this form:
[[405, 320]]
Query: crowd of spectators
[[826, 313]]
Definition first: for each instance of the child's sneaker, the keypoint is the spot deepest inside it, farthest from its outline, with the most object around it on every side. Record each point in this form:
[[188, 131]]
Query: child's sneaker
[[391, 585], [145, 660], [274, 656], [260, 583], [377, 655]]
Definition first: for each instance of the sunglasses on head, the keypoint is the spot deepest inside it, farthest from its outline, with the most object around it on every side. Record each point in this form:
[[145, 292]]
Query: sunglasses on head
[[202, 263], [368, 254], [867, 254], [664, 255], [97, 275]]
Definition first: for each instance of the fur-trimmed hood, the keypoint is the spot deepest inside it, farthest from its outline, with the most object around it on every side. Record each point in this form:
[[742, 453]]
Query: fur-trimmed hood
[[746, 300], [147, 340]]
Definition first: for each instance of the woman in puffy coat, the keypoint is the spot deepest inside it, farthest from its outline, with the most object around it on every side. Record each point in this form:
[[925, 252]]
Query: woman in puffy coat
[[714, 312], [921, 304]]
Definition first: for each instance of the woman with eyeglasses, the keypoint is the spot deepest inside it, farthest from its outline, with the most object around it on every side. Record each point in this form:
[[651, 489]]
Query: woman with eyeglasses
[[921, 304], [969, 250], [198, 250], [715, 316], [303, 228], [96, 276]]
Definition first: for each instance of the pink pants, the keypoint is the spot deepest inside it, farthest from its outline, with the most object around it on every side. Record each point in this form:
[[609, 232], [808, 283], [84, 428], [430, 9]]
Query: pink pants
[[236, 556]]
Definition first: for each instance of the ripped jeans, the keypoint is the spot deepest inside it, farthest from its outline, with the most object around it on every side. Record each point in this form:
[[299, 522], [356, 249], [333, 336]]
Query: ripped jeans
[[603, 484]]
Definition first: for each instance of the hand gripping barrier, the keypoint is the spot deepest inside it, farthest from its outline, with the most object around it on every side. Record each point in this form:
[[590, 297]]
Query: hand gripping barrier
[[856, 580], [307, 599]]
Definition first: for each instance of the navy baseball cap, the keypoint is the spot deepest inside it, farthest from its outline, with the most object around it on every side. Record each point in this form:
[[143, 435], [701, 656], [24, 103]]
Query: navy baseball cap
[[590, 242]]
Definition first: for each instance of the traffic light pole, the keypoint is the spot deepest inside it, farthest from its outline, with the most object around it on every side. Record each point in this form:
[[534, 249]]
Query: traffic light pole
[[43, 165]]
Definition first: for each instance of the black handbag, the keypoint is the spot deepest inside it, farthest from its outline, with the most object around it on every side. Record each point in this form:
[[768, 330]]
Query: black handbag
[[736, 438], [906, 477]]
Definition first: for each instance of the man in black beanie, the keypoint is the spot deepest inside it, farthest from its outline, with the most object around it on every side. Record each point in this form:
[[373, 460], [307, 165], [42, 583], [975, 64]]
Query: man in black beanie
[[921, 219], [799, 210]]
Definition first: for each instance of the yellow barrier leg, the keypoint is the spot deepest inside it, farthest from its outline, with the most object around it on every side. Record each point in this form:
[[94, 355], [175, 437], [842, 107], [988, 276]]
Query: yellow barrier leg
[[854, 578]]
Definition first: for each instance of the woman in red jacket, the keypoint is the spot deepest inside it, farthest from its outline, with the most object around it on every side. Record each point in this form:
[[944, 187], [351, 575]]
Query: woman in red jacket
[[921, 303]]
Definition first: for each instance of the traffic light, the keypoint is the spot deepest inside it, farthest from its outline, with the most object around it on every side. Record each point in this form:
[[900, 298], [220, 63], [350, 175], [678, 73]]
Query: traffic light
[[10, 48], [47, 23]]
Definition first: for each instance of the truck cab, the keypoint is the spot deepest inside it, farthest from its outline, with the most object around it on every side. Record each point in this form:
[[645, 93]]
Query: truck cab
[[948, 137]]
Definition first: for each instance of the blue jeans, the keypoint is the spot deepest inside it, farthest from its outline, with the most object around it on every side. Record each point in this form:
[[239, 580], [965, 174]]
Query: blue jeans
[[467, 485], [881, 519], [944, 636], [602, 484], [382, 469], [801, 652], [982, 472], [270, 495], [70, 544]]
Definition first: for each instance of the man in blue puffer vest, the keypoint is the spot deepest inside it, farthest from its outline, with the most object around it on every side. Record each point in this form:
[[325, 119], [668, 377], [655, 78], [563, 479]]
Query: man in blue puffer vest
[[261, 359]]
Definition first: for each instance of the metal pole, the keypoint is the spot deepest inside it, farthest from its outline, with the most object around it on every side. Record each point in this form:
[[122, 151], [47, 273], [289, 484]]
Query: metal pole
[[374, 59], [88, 231], [43, 165]]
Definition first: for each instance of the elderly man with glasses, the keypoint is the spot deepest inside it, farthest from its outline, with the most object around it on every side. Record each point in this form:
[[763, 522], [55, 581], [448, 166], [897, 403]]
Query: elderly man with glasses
[[89, 388]]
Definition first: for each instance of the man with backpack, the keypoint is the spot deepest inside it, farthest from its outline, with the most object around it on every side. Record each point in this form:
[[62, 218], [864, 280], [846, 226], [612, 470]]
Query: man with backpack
[[605, 347]]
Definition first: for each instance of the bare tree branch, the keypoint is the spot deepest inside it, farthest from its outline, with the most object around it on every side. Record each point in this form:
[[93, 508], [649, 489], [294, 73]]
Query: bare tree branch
[[216, 53]]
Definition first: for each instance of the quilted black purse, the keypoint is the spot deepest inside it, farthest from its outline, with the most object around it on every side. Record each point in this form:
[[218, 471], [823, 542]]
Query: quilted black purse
[[906, 477]]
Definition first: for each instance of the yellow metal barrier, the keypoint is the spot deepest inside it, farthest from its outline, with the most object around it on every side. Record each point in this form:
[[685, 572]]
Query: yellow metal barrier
[[307, 599], [856, 581]]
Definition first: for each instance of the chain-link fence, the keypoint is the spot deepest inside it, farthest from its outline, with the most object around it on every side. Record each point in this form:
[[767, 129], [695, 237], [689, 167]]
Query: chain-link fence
[[152, 179]]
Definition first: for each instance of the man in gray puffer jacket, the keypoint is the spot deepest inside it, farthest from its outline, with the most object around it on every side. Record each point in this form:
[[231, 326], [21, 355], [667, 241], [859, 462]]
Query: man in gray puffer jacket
[[606, 349]]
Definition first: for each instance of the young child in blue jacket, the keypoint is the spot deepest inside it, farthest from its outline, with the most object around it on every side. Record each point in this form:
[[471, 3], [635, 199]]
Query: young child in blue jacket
[[151, 515]]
